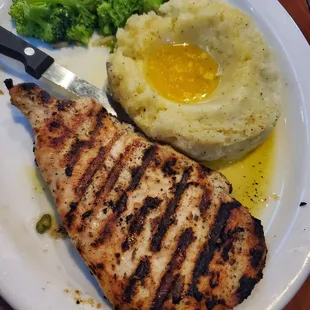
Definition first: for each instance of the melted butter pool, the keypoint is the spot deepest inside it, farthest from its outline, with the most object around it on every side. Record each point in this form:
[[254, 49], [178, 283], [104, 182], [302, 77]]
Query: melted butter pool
[[184, 74], [251, 177], [36, 179]]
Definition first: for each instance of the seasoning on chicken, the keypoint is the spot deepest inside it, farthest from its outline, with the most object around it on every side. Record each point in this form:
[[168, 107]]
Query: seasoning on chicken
[[158, 230]]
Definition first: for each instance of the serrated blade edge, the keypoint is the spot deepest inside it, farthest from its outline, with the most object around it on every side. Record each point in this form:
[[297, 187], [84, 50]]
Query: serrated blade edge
[[69, 81]]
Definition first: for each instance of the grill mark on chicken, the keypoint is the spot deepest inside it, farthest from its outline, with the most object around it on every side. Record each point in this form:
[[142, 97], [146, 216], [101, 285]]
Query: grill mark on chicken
[[79, 146], [70, 216], [227, 240], [54, 124], [63, 133], [99, 118], [75, 152], [89, 173], [214, 279], [63, 105], [167, 219], [206, 256], [108, 187], [98, 125], [204, 171], [115, 172], [121, 204], [139, 171], [173, 266], [96, 164], [104, 233], [108, 184], [28, 86], [204, 204], [136, 223], [213, 302], [256, 257], [167, 167], [137, 277], [45, 96], [177, 289], [246, 285], [258, 253], [203, 269], [87, 214]]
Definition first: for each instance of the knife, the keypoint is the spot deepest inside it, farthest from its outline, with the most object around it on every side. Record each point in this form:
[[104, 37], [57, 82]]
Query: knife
[[38, 64]]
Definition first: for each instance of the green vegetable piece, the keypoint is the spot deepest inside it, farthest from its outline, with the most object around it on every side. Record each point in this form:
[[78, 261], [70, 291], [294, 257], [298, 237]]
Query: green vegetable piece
[[24, 26], [111, 46], [81, 29], [42, 21], [55, 20], [113, 14], [44, 224], [152, 5]]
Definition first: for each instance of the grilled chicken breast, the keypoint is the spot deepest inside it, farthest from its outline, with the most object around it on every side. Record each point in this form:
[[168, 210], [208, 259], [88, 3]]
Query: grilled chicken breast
[[158, 230]]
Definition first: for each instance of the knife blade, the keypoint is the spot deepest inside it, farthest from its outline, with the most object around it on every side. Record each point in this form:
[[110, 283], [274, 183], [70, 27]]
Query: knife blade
[[68, 80], [38, 64]]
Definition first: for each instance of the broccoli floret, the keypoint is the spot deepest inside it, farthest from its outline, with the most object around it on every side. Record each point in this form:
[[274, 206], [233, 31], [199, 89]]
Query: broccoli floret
[[75, 20], [105, 22], [24, 26], [55, 20], [81, 29], [113, 14], [90, 5], [152, 5], [81, 21], [53, 26], [40, 21], [83, 24]]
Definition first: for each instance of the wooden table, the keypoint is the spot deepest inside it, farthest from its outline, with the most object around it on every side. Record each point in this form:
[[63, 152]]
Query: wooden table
[[300, 12]]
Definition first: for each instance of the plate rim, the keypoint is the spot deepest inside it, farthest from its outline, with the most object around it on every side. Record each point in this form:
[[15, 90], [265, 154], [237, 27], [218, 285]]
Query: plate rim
[[303, 47]]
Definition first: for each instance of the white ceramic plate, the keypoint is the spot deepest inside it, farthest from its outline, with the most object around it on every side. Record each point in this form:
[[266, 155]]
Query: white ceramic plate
[[38, 272]]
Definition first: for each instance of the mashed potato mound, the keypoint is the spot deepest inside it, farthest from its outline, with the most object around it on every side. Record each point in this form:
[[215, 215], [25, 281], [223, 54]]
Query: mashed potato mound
[[237, 116]]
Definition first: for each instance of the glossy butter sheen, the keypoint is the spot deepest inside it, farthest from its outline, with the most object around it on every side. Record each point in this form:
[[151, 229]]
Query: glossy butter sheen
[[182, 73], [252, 176]]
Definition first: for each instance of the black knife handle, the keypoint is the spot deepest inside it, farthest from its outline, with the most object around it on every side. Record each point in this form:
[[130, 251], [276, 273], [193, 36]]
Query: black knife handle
[[35, 61]]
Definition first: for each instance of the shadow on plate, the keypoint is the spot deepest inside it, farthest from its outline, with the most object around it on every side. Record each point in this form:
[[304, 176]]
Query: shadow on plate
[[19, 118]]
